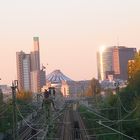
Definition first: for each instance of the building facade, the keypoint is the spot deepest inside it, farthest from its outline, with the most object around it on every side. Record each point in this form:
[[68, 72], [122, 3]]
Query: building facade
[[35, 67], [104, 63], [35, 55], [125, 54], [42, 78], [29, 75], [113, 62], [23, 71]]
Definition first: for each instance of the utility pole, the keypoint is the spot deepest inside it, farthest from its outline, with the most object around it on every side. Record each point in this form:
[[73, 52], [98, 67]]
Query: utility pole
[[14, 87], [48, 104], [119, 118], [119, 111], [1, 97]]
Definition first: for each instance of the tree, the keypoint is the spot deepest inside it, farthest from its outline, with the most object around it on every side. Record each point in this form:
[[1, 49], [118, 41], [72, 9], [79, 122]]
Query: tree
[[24, 96], [133, 67], [130, 98], [94, 87]]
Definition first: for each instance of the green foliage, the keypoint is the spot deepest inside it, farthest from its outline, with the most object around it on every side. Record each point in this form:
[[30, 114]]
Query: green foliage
[[112, 100], [128, 99], [135, 84], [137, 104], [25, 108], [110, 104], [6, 119], [93, 127]]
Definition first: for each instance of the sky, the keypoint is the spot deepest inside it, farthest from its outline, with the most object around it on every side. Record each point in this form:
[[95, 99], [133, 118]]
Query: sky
[[70, 32]]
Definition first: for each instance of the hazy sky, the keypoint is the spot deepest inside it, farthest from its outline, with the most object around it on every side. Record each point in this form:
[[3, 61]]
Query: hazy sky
[[70, 32]]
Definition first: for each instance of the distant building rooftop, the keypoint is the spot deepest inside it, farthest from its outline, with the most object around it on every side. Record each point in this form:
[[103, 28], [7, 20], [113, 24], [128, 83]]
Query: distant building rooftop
[[57, 77]]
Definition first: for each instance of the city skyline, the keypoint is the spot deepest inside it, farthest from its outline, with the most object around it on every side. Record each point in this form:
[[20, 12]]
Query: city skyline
[[29, 75], [70, 33], [112, 62]]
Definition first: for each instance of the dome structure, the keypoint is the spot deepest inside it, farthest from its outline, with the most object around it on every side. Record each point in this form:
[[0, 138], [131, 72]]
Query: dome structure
[[57, 77]]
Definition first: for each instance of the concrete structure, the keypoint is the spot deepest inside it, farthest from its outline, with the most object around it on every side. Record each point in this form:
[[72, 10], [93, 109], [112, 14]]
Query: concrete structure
[[113, 61], [104, 62], [106, 84], [64, 84], [54, 79], [29, 75], [5, 89], [35, 67], [125, 54], [35, 55], [74, 88], [35, 81], [23, 71], [65, 89], [57, 77], [42, 78]]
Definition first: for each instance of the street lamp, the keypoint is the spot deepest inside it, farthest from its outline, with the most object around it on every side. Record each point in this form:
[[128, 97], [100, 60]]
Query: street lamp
[[14, 87]]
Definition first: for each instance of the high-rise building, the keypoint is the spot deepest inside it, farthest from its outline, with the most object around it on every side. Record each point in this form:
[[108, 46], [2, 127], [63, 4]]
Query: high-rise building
[[42, 77], [124, 55], [104, 62], [29, 74], [23, 71], [35, 55], [35, 66], [113, 61]]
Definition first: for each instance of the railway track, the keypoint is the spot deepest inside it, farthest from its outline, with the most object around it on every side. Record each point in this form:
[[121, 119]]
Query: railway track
[[73, 127], [66, 131]]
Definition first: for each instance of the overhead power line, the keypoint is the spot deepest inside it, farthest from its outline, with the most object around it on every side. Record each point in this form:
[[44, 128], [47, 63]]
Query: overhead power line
[[100, 123], [127, 111], [25, 120], [118, 121]]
